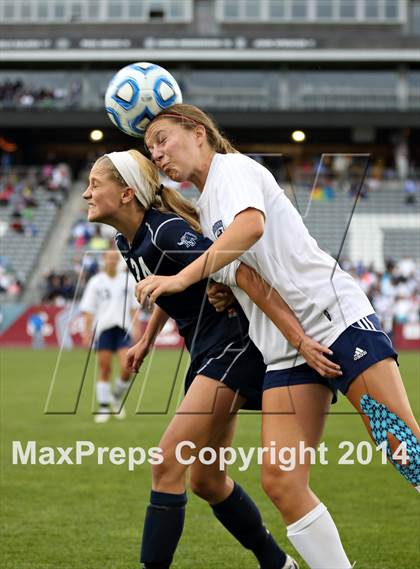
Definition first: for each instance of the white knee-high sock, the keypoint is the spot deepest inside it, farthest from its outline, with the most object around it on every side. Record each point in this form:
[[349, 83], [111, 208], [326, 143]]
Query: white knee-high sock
[[120, 388], [316, 538], [103, 392]]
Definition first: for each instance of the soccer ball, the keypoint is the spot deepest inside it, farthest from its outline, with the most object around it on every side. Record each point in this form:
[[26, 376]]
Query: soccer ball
[[137, 93]]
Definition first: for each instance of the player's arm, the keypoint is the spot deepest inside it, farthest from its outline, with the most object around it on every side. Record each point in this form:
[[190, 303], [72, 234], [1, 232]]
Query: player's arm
[[272, 304], [279, 312], [242, 233], [137, 353], [135, 323], [87, 328], [88, 307]]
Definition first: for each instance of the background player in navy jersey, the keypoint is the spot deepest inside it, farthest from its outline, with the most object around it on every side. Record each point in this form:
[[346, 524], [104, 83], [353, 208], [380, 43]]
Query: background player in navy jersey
[[124, 192], [109, 311]]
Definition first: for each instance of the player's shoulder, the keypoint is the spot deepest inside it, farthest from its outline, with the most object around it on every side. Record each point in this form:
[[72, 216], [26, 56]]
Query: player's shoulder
[[161, 224], [156, 217], [96, 280], [236, 164], [121, 242], [237, 159]]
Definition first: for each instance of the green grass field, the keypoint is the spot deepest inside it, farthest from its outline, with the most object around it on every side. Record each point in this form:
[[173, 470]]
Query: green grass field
[[90, 516]]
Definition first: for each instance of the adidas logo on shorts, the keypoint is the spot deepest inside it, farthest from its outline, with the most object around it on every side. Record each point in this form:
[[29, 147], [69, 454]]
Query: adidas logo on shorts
[[359, 353]]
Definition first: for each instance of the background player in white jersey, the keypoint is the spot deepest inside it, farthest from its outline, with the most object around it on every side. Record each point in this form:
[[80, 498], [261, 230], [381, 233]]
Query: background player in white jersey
[[244, 209], [109, 308]]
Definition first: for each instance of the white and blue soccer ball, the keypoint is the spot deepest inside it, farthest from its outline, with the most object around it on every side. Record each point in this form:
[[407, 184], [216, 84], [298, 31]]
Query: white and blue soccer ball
[[137, 93]]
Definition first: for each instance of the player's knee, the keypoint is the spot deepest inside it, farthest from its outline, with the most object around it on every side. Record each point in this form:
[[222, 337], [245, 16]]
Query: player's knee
[[105, 371], [279, 486], [169, 470], [161, 472]]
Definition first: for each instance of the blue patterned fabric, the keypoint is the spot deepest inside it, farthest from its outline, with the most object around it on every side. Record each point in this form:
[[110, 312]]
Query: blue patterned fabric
[[382, 422]]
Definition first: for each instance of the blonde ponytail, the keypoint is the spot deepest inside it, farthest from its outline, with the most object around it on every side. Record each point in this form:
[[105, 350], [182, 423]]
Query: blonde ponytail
[[172, 201]]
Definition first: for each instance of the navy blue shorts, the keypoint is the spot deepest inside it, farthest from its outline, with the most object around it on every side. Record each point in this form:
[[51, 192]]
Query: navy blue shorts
[[113, 339], [237, 364], [361, 345]]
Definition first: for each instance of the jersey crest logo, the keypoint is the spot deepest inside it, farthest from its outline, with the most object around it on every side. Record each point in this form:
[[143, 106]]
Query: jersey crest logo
[[103, 294], [188, 240], [218, 228]]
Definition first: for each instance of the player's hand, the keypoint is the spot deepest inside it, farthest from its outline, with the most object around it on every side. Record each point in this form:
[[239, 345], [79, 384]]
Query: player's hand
[[136, 355], [220, 296], [149, 289], [313, 352]]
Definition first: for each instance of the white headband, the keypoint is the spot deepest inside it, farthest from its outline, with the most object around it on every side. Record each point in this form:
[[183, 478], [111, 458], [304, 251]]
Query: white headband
[[130, 171]]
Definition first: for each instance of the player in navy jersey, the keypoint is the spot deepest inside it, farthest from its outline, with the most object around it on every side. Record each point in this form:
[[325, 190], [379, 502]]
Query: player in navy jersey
[[158, 232], [163, 244]]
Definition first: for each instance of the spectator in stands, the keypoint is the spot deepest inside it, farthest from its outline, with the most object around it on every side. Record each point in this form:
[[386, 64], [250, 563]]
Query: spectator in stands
[[90, 265], [98, 242], [26, 99], [30, 229], [67, 287], [402, 310], [28, 196], [410, 190], [16, 222], [53, 291], [76, 264], [9, 282], [81, 233], [5, 194], [384, 308]]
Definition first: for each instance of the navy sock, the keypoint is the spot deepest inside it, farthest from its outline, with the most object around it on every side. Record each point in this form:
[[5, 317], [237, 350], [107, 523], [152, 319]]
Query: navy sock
[[162, 529], [241, 517]]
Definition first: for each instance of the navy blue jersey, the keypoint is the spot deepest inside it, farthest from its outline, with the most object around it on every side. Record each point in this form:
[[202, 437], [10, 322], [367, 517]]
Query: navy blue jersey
[[163, 245]]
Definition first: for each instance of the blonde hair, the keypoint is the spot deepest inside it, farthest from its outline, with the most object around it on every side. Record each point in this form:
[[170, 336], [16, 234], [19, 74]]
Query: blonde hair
[[162, 198], [189, 117]]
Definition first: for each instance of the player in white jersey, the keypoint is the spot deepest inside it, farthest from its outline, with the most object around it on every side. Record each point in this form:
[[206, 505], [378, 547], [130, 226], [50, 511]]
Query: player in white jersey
[[109, 307], [251, 218]]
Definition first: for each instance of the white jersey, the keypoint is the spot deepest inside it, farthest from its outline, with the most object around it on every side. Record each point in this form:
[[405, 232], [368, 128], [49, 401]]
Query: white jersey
[[110, 300], [324, 298]]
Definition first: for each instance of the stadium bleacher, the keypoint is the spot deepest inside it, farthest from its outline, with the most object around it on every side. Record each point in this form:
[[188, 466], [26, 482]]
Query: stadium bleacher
[[27, 215], [327, 219]]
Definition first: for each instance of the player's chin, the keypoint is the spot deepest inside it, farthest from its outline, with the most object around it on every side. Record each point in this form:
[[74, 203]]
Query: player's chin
[[93, 214], [175, 175]]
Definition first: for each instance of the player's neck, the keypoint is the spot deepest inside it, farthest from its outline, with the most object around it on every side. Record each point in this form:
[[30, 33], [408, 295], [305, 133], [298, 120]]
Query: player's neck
[[199, 176], [111, 274], [129, 222]]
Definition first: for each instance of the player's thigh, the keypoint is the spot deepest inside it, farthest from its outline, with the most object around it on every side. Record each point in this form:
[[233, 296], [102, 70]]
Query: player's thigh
[[206, 409], [293, 418], [383, 383], [295, 413]]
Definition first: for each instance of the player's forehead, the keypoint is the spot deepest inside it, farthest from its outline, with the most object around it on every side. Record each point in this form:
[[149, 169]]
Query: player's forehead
[[98, 172], [155, 128], [111, 256]]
